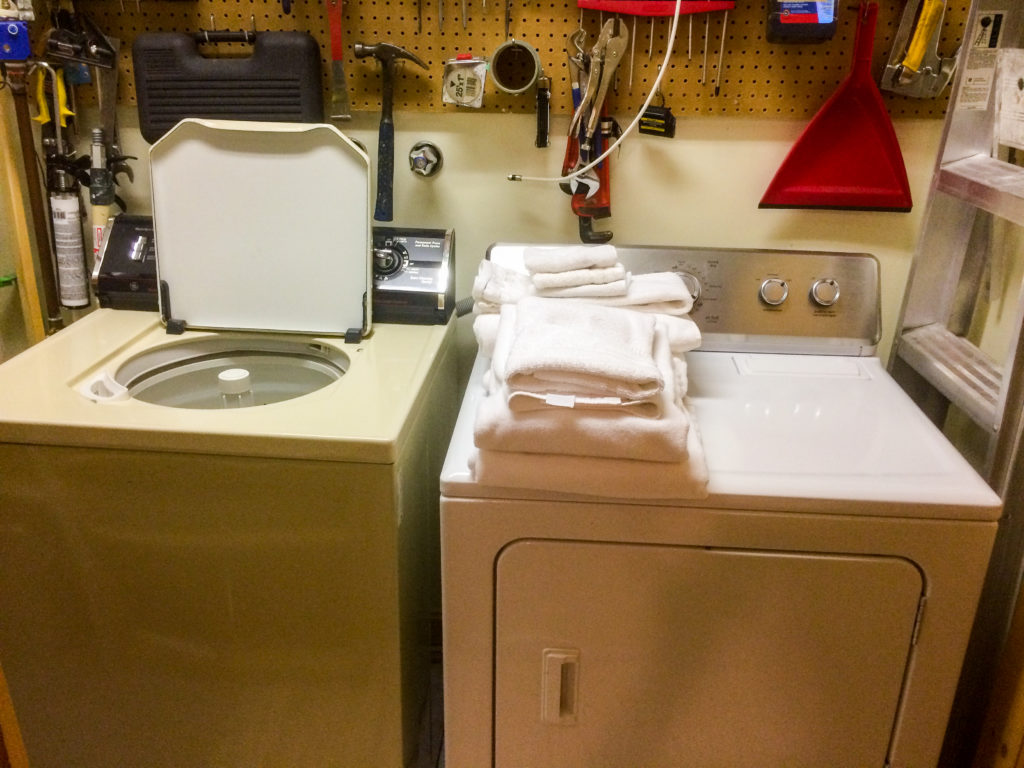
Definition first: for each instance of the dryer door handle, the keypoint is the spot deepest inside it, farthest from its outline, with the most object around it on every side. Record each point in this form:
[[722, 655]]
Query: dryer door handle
[[559, 685]]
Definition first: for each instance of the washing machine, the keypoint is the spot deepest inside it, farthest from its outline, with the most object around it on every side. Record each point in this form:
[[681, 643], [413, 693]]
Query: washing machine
[[218, 522], [811, 609]]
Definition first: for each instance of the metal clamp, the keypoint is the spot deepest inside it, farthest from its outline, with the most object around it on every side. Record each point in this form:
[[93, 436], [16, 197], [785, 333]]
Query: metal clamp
[[915, 67]]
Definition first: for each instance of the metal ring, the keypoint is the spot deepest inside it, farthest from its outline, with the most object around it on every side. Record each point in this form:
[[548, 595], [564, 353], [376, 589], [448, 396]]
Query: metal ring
[[512, 64]]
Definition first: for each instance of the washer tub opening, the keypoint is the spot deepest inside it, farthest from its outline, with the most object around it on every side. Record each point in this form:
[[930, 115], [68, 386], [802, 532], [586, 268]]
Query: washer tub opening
[[188, 374]]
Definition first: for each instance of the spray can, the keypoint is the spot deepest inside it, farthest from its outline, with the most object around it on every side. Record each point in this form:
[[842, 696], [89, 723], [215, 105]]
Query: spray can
[[800, 21], [69, 247]]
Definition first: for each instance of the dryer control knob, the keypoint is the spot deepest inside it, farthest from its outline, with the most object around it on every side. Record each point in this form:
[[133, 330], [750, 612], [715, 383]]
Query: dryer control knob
[[825, 292], [774, 291], [692, 284]]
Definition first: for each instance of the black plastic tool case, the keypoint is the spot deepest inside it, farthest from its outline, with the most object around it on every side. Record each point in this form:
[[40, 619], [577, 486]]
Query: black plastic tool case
[[279, 82]]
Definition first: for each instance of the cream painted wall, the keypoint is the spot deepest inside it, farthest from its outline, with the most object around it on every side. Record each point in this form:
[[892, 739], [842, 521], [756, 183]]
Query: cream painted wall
[[700, 189]]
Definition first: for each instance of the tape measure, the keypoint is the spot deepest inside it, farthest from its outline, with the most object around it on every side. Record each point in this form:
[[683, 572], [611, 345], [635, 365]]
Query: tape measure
[[656, 7]]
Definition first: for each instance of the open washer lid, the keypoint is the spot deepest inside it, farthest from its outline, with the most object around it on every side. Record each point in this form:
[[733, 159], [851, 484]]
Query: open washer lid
[[262, 226]]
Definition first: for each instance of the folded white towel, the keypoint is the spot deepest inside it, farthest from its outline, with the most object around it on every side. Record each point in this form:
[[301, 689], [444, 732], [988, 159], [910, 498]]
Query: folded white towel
[[495, 285], [545, 281], [578, 348], [617, 434], [596, 291], [596, 476], [521, 400], [662, 292], [562, 258], [681, 380], [485, 329], [683, 333]]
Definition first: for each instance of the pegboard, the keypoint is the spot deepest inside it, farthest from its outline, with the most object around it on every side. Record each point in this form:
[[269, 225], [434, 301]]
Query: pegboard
[[757, 78]]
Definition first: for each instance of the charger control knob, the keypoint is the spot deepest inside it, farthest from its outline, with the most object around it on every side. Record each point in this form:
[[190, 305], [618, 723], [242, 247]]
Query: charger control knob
[[774, 291], [825, 292], [389, 260]]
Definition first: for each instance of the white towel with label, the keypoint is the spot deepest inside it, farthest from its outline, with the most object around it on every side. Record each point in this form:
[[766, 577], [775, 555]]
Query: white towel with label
[[581, 349], [596, 476], [563, 258], [546, 281], [620, 433]]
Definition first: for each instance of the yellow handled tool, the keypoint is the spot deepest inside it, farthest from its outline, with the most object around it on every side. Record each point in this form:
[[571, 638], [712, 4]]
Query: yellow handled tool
[[60, 97], [931, 16], [915, 67]]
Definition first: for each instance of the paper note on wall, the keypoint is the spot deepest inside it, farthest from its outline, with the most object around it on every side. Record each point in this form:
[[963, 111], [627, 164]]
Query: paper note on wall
[[1010, 99]]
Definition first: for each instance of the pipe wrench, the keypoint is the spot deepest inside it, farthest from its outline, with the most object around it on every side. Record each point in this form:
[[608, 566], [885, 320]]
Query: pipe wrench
[[604, 58]]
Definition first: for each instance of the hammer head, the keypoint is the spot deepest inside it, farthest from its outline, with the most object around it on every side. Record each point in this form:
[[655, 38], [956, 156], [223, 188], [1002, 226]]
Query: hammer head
[[386, 53]]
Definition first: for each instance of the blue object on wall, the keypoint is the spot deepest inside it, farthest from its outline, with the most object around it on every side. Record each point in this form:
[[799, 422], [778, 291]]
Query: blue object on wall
[[14, 44]]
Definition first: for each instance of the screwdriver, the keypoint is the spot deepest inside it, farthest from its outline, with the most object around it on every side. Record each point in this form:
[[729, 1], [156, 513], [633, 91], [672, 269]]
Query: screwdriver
[[721, 51]]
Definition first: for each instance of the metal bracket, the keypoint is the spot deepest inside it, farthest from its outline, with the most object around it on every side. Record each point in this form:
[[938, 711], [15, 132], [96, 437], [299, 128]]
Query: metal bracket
[[915, 67]]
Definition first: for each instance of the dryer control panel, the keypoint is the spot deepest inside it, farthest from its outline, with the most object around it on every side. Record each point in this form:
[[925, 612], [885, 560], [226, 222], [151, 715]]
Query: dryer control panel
[[762, 300]]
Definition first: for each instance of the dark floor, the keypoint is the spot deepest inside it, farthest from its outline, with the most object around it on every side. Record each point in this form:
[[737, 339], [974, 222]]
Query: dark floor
[[431, 750]]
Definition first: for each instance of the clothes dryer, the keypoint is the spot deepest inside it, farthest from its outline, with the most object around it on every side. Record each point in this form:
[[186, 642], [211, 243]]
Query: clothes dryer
[[813, 609]]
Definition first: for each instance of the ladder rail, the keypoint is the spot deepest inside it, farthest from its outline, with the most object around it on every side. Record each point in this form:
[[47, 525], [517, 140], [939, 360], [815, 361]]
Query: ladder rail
[[937, 354]]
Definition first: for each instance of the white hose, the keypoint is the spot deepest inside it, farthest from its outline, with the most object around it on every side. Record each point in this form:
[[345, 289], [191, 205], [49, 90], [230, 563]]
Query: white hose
[[650, 97]]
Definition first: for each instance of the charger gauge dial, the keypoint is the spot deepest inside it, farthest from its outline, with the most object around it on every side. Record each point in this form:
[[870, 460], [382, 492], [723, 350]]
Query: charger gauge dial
[[389, 260]]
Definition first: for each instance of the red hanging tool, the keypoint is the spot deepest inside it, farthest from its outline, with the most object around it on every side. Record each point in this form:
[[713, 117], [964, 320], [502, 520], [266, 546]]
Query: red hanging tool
[[848, 155], [589, 204], [592, 77]]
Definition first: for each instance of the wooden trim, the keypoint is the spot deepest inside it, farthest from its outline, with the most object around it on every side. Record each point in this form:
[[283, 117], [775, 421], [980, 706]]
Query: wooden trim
[[10, 733], [28, 289]]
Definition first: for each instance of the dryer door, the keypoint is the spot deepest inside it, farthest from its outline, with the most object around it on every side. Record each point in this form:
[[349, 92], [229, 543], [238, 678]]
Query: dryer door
[[622, 655]]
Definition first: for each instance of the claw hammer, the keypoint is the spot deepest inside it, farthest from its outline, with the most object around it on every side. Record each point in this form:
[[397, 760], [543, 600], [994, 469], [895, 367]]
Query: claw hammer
[[387, 54]]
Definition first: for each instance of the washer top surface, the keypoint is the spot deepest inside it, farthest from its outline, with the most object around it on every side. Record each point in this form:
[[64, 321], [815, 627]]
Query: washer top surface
[[796, 433], [360, 417]]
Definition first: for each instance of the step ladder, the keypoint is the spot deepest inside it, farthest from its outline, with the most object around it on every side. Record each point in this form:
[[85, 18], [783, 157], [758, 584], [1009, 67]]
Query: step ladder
[[972, 233]]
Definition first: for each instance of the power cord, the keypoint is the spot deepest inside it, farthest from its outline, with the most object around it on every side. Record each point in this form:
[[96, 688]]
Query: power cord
[[629, 129]]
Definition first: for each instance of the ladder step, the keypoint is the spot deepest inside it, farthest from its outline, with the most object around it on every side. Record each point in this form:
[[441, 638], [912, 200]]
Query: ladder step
[[986, 183], [965, 375]]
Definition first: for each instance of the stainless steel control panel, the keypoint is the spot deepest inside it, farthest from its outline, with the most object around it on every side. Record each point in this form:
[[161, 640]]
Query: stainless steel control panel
[[761, 300]]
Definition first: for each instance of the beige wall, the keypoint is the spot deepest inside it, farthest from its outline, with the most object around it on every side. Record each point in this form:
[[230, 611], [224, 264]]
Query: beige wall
[[701, 188]]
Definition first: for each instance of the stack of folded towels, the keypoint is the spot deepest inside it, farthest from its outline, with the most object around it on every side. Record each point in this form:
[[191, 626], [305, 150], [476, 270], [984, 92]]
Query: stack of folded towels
[[586, 391]]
